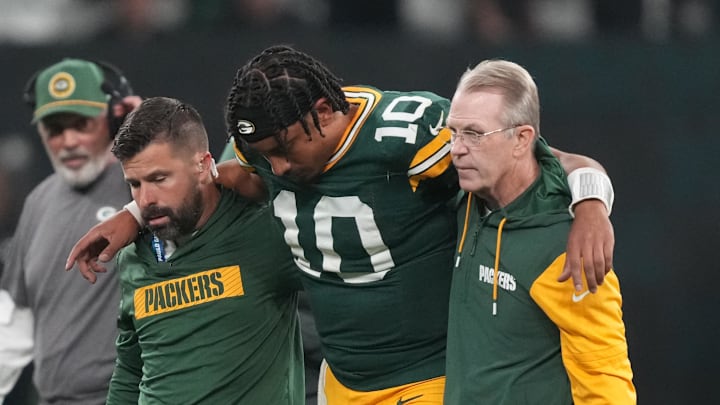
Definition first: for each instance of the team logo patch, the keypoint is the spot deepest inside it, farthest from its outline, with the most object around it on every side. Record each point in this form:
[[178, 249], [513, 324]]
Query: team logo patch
[[104, 213], [61, 85], [245, 127], [184, 292]]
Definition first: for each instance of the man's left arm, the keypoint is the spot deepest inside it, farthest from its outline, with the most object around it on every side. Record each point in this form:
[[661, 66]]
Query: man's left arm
[[591, 240], [592, 337]]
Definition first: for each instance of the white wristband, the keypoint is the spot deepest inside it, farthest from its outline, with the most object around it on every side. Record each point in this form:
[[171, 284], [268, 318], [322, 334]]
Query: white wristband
[[587, 183], [134, 210]]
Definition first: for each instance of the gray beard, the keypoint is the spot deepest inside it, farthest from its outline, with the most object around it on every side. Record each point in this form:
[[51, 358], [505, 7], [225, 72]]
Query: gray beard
[[87, 174]]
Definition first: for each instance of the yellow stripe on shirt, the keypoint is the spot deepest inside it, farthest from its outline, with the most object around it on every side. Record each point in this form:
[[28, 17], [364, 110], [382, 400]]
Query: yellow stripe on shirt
[[189, 291], [592, 336]]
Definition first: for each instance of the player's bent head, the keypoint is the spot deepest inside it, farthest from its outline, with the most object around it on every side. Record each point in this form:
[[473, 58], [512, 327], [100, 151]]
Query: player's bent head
[[276, 89], [161, 119]]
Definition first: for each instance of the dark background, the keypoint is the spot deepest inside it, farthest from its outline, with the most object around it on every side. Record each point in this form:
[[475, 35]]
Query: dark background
[[647, 111]]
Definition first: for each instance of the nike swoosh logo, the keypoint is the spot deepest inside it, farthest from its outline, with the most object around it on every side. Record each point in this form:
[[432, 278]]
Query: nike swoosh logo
[[578, 298], [436, 129], [402, 402]]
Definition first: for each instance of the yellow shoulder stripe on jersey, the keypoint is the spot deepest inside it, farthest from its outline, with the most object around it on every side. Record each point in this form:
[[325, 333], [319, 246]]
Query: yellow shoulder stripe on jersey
[[431, 160], [196, 289], [240, 157], [366, 99]]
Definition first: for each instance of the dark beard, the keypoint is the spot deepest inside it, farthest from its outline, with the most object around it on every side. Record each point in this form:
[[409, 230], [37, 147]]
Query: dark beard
[[182, 222]]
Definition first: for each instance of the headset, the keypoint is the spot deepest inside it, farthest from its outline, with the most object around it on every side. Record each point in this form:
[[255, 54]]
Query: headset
[[114, 85]]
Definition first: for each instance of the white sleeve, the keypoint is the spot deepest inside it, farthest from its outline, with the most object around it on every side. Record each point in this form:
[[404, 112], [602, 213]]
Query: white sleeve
[[134, 210], [16, 342]]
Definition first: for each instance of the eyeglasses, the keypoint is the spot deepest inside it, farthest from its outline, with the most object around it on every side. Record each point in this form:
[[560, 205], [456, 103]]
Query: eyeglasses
[[473, 138]]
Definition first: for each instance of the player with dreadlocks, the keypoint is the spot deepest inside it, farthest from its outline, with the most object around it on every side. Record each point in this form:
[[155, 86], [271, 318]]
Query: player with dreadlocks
[[360, 179], [362, 183], [370, 229]]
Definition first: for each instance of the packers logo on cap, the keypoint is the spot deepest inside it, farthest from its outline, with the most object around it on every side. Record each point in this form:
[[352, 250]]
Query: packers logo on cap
[[61, 85], [245, 127]]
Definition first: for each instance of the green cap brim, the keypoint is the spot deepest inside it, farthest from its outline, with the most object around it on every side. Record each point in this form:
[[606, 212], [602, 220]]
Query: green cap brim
[[81, 107]]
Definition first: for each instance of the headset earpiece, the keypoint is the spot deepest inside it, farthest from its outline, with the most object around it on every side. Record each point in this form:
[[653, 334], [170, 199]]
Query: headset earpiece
[[29, 90], [117, 87]]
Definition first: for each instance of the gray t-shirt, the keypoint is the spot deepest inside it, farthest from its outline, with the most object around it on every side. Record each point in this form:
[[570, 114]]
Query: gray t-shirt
[[75, 322]]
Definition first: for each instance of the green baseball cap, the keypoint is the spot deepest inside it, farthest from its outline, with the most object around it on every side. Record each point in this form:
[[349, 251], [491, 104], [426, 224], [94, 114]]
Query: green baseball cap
[[70, 86]]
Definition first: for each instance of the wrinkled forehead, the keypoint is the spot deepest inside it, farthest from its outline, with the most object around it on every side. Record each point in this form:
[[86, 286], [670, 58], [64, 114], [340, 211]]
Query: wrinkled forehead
[[483, 106]]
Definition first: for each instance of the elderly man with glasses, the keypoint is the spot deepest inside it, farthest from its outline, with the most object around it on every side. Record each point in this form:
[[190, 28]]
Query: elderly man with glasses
[[515, 334]]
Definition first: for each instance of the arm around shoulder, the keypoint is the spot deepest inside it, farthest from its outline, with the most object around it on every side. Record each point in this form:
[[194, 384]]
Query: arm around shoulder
[[234, 177], [102, 242], [587, 179], [591, 240]]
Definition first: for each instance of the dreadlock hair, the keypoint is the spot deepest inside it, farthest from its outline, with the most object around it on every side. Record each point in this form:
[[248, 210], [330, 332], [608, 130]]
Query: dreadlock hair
[[276, 89], [161, 119]]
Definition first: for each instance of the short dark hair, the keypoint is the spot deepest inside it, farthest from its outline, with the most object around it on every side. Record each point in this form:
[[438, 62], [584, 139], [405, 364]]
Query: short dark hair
[[275, 90], [160, 119]]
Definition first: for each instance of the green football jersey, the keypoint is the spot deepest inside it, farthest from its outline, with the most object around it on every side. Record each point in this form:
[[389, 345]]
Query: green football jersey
[[374, 237], [214, 324]]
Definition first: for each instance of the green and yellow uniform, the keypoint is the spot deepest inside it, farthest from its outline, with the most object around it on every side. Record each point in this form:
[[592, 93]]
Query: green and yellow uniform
[[538, 342], [215, 323], [374, 238]]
